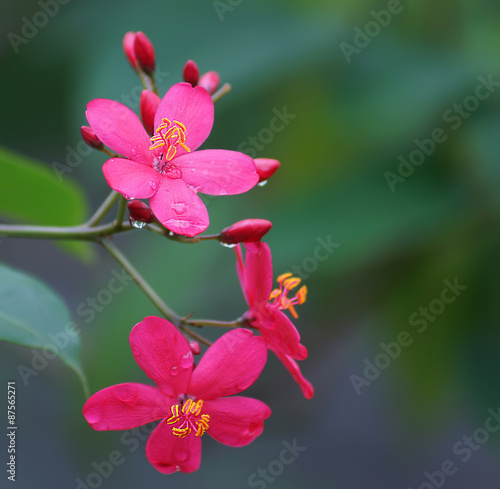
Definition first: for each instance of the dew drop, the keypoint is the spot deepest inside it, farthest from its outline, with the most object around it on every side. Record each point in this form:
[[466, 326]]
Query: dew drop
[[179, 207], [153, 185], [174, 371], [178, 468], [134, 152], [261, 184], [137, 224], [127, 395], [93, 416], [227, 245], [193, 170], [187, 360], [181, 456], [223, 192]]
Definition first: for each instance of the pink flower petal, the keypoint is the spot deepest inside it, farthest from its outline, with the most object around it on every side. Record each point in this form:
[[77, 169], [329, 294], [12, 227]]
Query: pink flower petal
[[133, 180], [190, 106], [259, 273], [163, 353], [218, 171], [178, 208], [126, 406], [169, 453], [120, 129], [293, 368], [284, 336], [232, 364], [240, 269], [236, 421]]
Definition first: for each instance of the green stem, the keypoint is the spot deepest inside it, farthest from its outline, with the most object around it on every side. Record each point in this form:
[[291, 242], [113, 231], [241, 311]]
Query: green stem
[[196, 336], [121, 213], [141, 282], [103, 209], [208, 322], [221, 92], [81, 233]]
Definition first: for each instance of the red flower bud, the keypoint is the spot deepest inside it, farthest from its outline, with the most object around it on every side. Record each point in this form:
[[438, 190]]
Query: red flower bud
[[139, 211], [191, 73], [266, 167], [210, 81], [245, 231], [195, 347], [128, 48], [149, 104], [144, 53], [90, 138]]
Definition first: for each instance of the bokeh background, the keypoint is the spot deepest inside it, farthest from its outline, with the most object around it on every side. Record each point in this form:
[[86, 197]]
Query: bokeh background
[[395, 244]]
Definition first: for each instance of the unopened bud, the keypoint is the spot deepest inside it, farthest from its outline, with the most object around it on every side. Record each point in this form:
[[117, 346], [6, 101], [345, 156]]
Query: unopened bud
[[191, 73], [90, 138], [139, 211], [210, 81], [128, 48], [266, 167], [195, 347], [245, 231], [149, 104], [144, 53]]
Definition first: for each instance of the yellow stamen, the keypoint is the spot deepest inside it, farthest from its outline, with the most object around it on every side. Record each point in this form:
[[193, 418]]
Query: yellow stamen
[[283, 276], [170, 135]]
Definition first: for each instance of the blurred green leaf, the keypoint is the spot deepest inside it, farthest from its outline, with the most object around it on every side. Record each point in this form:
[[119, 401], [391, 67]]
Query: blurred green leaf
[[35, 195], [33, 315]]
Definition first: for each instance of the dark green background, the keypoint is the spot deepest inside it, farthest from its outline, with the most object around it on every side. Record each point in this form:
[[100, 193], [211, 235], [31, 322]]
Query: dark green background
[[353, 122]]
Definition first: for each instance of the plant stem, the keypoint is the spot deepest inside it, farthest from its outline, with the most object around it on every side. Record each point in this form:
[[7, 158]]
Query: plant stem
[[104, 208], [80, 233], [208, 322], [140, 281], [196, 336], [221, 92], [121, 213]]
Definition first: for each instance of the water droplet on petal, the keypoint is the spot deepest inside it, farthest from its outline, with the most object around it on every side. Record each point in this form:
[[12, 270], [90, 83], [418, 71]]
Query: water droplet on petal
[[171, 233], [223, 192], [178, 468], [261, 184], [174, 371], [127, 395], [193, 170], [227, 245], [134, 152], [93, 416], [179, 207], [153, 185], [187, 360], [137, 224]]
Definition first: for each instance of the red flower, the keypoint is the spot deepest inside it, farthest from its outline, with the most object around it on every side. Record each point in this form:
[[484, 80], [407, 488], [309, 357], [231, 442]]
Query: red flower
[[166, 168], [256, 278], [189, 401]]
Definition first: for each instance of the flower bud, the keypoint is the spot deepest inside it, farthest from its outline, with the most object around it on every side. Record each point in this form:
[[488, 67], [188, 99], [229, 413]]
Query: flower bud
[[144, 53], [139, 211], [149, 104], [245, 231], [195, 347], [266, 167], [90, 138], [128, 48], [210, 81], [191, 73]]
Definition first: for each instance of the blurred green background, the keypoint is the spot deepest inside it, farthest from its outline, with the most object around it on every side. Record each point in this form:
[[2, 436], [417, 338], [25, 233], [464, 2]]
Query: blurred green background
[[361, 103]]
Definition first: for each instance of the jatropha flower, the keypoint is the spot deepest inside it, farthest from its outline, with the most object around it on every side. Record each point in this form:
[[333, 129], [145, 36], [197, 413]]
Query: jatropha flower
[[266, 306], [189, 401], [165, 168]]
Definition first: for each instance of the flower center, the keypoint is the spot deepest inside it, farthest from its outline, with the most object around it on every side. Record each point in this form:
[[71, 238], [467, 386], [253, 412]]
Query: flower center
[[281, 301], [188, 418], [170, 135]]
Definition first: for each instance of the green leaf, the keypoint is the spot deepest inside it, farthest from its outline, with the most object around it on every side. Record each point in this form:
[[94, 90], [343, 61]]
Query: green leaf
[[33, 315], [34, 194]]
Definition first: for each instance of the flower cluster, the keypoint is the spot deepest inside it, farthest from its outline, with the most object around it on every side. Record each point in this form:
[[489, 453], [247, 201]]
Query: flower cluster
[[157, 158]]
